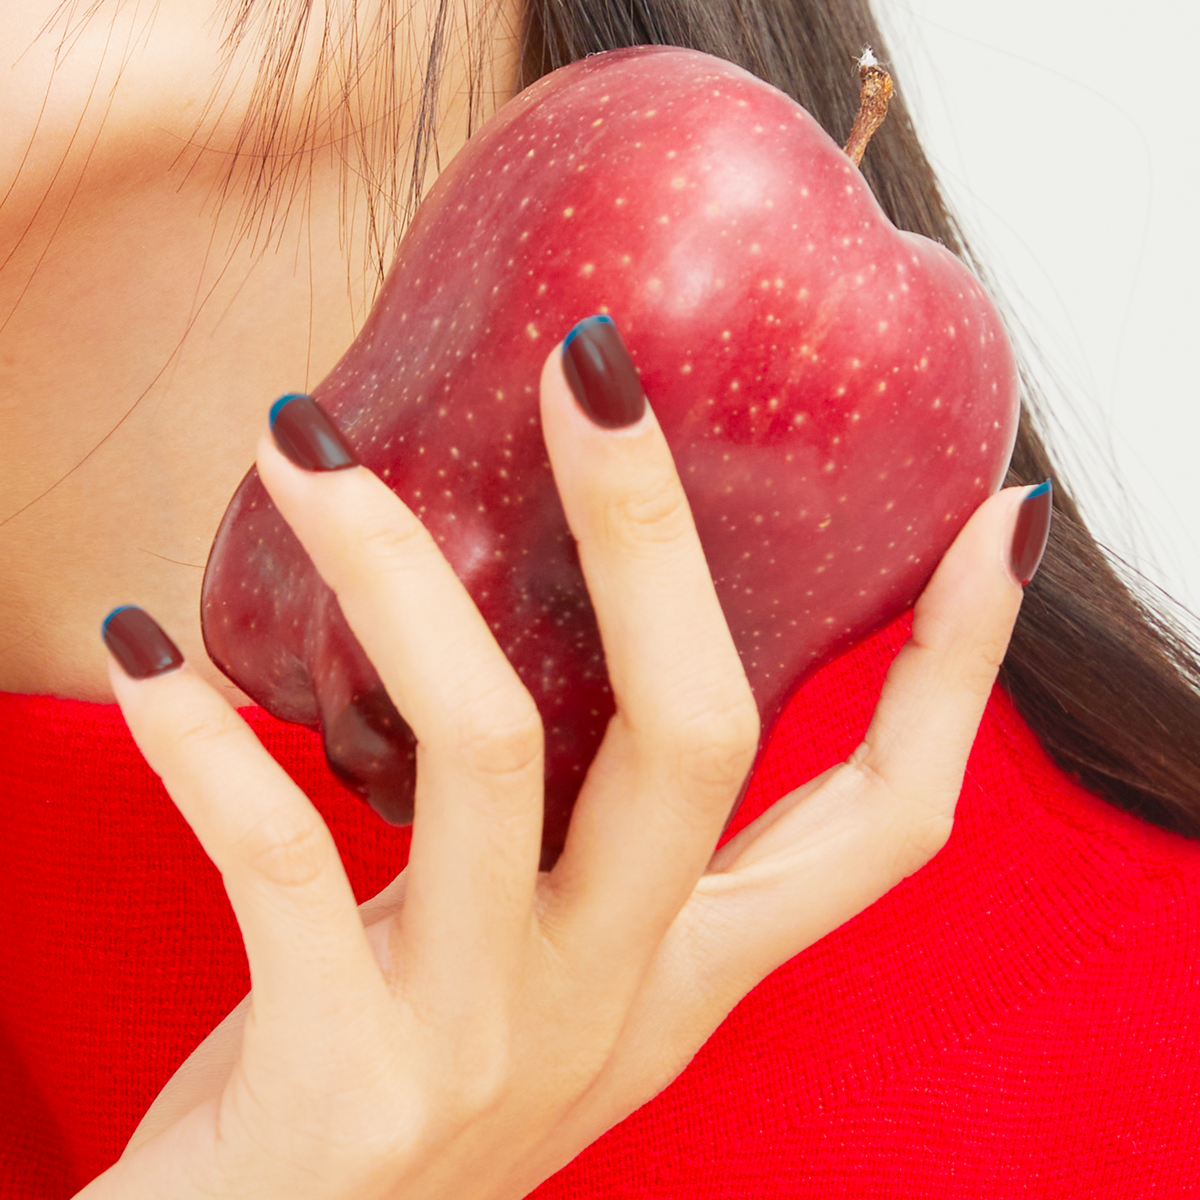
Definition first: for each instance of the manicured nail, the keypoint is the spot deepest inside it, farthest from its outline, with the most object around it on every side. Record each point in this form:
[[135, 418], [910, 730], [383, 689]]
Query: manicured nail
[[136, 641], [304, 432], [1032, 532], [601, 374]]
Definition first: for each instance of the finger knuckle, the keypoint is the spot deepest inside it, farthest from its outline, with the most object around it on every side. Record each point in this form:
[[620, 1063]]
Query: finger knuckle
[[201, 732], [650, 514], [972, 656], [862, 763], [390, 540], [974, 669], [477, 1067], [989, 656], [287, 849], [503, 738], [486, 1076], [920, 828], [924, 836], [717, 744]]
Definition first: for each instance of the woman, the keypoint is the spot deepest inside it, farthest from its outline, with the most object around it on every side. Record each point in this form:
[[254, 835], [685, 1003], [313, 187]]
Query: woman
[[1014, 1016]]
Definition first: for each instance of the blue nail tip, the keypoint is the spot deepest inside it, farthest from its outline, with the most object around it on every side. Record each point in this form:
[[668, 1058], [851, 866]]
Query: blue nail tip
[[281, 402], [587, 323], [1040, 490], [119, 608]]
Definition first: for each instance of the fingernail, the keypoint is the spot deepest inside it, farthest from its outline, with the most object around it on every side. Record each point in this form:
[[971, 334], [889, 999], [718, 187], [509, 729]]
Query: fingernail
[[136, 641], [1032, 532], [601, 374], [307, 436]]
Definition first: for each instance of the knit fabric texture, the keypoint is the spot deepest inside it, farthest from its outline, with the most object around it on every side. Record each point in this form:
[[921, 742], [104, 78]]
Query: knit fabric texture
[[1021, 1017]]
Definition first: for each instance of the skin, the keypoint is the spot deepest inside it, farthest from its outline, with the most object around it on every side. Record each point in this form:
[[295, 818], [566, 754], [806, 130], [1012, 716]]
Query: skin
[[138, 363], [468, 1031]]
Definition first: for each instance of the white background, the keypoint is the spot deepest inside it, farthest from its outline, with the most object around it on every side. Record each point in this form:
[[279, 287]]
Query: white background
[[1066, 134]]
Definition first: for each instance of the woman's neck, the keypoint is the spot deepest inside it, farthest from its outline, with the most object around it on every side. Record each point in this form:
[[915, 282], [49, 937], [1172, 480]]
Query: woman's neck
[[139, 367], [141, 345]]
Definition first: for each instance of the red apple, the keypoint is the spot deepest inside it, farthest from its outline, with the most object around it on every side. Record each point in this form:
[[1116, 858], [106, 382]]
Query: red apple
[[839, 396]]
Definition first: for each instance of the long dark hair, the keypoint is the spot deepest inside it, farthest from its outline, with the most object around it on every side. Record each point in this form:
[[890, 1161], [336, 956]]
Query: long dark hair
[[1098, 666]]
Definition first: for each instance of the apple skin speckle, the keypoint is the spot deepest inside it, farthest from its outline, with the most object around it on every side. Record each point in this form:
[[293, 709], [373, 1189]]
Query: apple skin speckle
[[763, 353]]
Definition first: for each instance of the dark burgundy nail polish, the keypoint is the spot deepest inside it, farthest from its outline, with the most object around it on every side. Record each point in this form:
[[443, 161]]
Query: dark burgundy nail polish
[[304, 432], [1032, 532], [136, 641], [601, 374]]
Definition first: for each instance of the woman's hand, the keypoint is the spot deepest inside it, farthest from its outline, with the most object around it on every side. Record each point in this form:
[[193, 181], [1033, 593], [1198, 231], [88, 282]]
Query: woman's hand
[[480, 1022]]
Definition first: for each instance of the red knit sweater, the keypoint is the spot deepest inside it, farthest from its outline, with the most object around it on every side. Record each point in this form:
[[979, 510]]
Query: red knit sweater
[[1019, 1018]]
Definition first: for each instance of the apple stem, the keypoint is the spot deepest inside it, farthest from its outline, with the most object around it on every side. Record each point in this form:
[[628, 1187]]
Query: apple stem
[[872, 105]]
